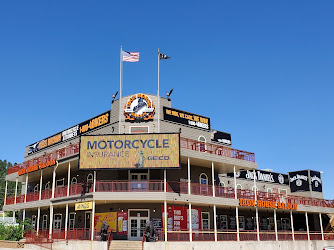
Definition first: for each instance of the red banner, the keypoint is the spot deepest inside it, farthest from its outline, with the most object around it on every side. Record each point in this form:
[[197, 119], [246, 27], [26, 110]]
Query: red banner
[[177, 218], [122, 223]]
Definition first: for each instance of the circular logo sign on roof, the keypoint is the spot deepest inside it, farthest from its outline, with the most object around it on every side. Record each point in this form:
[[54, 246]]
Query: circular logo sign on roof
[[139, 107]]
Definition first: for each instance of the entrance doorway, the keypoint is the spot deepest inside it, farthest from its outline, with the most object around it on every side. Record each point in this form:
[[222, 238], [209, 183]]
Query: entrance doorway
[[87, 220], [137, 222]]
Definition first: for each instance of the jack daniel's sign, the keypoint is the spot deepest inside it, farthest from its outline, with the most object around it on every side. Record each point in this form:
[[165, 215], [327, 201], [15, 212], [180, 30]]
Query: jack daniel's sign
[[261, 175]]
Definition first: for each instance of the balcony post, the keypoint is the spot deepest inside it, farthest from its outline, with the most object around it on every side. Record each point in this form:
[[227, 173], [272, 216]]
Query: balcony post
[[321, 227], [165, 219], [189, 187], [69, 179], [26, 191], [275, 222], [256, 209], [40, 185], [213, 179], [215, 220], [94, 186], [5, 198], [38, 218], [235, 183], [66, 221], [23, 218], [92, 226], [237, 222], [13, 216], [54, 180], [16, 181], [292, 227], [51, 221], [307, 226], [190, 224]]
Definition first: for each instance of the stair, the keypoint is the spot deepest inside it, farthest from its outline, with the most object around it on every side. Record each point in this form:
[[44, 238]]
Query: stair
[[125, 245]]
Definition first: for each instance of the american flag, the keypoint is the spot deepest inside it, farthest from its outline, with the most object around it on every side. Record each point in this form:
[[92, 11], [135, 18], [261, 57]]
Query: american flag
[[130, 56]]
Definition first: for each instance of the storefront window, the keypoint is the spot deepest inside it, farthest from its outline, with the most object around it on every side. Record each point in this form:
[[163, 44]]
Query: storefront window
[[205, 220]]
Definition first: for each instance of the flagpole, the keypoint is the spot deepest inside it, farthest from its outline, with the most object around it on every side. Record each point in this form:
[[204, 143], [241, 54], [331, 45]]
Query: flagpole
[[158, 90], [120, 89]]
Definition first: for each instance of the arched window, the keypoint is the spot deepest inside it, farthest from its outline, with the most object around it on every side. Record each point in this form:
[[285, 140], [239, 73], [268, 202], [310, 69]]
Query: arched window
[[269, 191], [74, 180], [47, 186], [222, 184], [90, 178], [239, 186], [203, 179], [36, 188], [201, 138]]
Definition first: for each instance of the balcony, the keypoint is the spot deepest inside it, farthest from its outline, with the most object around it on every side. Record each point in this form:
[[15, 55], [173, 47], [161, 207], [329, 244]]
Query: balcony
[[185, 143]]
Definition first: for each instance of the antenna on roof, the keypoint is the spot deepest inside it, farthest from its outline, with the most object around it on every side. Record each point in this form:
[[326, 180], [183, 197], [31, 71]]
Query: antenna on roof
[[113, 97], [168, 94]]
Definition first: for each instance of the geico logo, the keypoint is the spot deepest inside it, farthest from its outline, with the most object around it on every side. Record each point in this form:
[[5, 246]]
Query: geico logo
[[160, 158]]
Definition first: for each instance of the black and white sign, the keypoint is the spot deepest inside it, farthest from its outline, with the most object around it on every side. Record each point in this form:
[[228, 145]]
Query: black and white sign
[[316, 182], [299, 181], [221, 137], [261, 175], [186, 118]]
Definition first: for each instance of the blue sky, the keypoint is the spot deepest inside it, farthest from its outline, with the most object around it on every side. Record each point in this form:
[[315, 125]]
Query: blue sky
[[261, 70]]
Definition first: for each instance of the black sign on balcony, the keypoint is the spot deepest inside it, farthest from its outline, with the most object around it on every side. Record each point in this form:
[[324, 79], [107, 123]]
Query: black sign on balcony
[[299, 181], [316, 182], [261, 175], [221, 137]]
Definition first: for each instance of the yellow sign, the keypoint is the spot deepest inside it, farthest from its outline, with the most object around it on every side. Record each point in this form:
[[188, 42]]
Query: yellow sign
[[110, 218], [135, 151], [83, 206]]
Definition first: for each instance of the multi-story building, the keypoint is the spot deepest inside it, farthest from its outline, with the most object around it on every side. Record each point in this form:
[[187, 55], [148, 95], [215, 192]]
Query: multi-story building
[[100, 170]]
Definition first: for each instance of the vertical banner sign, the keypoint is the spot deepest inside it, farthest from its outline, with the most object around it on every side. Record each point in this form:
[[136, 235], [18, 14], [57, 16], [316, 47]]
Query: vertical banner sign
[[122, 223], [316, 182], [299, 181], [178, 218]]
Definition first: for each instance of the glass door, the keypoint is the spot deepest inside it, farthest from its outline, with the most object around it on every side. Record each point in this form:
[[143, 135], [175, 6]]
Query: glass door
[[137, 221]]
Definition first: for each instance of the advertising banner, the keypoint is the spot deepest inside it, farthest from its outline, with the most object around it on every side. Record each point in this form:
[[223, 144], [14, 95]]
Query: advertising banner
[[72, 132], [261, 175], [122, 223], [110, 218], [316, 182], [83, 206], [299, 181], [186, 118], [178, 218], [132, 151]]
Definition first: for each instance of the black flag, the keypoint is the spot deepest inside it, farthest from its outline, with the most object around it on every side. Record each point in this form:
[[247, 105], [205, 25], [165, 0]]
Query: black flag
[[163, 56]]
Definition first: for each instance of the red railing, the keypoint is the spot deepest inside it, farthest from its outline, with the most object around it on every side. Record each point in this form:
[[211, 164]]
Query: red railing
[[250, 235], [10, 200], [217, 150], [129, 186], [46, 194], [226, 235], [33, 196], [61, 191], [20, 198], [201, 189]]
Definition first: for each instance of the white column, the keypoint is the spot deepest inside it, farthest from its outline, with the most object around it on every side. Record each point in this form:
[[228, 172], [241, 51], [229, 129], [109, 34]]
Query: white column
[[321, 227], [213, 179], [17, 179], [40, 185], [23, 218], [165, 219], [189, 187], [26, 191], [92, 226], [215, 220], [237, 222], [292, 227], [5, 193], [38, 218], [66, 221], [94, 187], [275, 222], [307, 226], [255, 191], [235, 184], [165, 180], [54, 181], [51, 221], [257, 224], [190, 224], [13, 215], [69, 179]]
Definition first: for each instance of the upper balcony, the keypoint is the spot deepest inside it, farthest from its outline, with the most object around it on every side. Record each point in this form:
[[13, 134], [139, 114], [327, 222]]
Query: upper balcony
[[186, 144]]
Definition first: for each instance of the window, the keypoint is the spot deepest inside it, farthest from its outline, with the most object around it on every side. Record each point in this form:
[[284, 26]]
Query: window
[[90, 178], [57, 221], [205, 220], [33, 222], [45, 221], [203, 179], [223, 222], [74, 180], [71, 221], [60, 182], [201, 138], [239, 186], [47, 186], [269, 191], [36, 188]]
